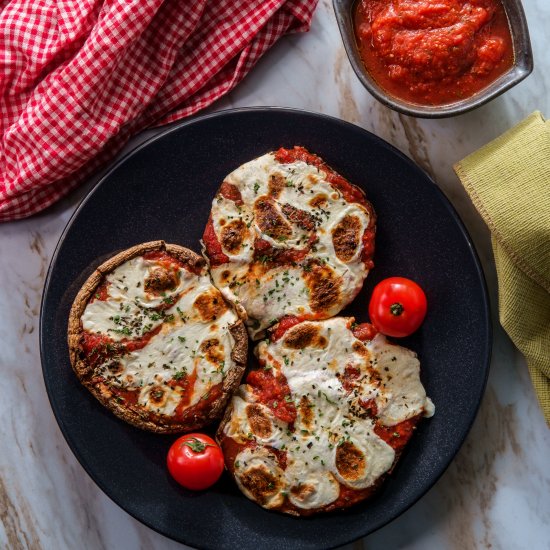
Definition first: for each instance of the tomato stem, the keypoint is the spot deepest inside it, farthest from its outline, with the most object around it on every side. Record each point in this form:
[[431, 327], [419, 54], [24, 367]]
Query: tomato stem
[[396, 309], [197, 445]]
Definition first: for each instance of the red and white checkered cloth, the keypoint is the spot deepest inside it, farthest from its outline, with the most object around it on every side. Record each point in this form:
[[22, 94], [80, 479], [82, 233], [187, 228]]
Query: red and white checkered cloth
[[78, 78]]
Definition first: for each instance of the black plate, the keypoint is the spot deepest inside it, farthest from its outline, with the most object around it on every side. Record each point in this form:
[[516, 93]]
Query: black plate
[[163, 190]]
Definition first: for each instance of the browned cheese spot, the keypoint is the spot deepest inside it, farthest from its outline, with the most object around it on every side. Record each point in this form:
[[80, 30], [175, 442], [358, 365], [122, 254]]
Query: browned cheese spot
[[260, 483], [161, 279], [233, 235], [360, 349], [324, 288], [306, 412], [276, 184], [319, 200], [156, 395], [302, 336], [225, 276], [270, 221], [115, 367], [260, 424], [302, 491], [104, 390], [350, 461], [299, 217], [375, 377], [312, 179], [257, 270], [210, 305], [346, 237], [222, 222], [321, 342], [212, 350]]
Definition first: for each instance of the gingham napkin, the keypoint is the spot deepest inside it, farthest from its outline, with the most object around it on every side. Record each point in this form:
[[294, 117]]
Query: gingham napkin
[[79, 77]]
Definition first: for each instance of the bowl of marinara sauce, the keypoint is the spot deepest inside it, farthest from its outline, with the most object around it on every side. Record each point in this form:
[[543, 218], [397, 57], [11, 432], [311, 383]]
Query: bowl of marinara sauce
[[435, 58]]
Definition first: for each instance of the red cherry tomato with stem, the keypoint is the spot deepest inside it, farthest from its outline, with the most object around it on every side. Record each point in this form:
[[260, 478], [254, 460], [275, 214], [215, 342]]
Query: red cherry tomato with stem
[[397, 307], [195, 461]]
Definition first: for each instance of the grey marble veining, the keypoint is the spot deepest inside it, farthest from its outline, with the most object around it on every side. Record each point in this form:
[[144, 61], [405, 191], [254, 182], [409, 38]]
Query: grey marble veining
[[495, 494]]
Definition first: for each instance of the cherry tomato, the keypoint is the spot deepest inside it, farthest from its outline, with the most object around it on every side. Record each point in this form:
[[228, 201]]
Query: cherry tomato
[[195, 461], [397, 307]]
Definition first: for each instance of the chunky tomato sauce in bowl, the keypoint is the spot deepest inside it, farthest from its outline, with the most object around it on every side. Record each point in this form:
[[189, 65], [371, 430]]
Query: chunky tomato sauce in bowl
[[435, 58]]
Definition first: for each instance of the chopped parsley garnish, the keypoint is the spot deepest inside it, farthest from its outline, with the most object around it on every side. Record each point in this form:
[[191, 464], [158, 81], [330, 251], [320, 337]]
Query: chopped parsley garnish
[[124, 330]]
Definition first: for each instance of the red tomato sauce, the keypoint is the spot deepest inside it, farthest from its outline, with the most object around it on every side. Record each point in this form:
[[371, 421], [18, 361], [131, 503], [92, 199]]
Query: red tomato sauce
[[231, 449], [97, 348], [199, 409], [213, 246], [186, 385], [194, 413], [101, 292], [267, 254], [288, 321], [163, 257], [128, 397], [367, 253], [231, 192], [364, 331], [348, 496], [370, 406], [140, 343], [273, 391], [433, 52], [349, 380], [397, 436], [281, 456]]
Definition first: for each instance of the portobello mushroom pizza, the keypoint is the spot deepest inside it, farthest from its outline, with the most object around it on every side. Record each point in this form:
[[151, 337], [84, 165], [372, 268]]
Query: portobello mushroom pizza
[[287, 235], [323, 418], [154, 341]]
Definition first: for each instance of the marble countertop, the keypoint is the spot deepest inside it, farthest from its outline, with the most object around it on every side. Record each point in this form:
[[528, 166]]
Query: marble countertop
[[495, 494]]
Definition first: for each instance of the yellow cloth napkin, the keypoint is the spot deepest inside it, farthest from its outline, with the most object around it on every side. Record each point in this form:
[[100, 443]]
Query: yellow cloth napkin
[[508, 181]]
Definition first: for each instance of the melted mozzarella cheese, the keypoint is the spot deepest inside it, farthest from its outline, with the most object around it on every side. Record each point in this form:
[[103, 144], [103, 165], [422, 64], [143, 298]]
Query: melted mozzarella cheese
[[129, 310], [240, 425], [333, 440], [404, 395], [261, 463], [268, 295], [310, 488], [178, 350]]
